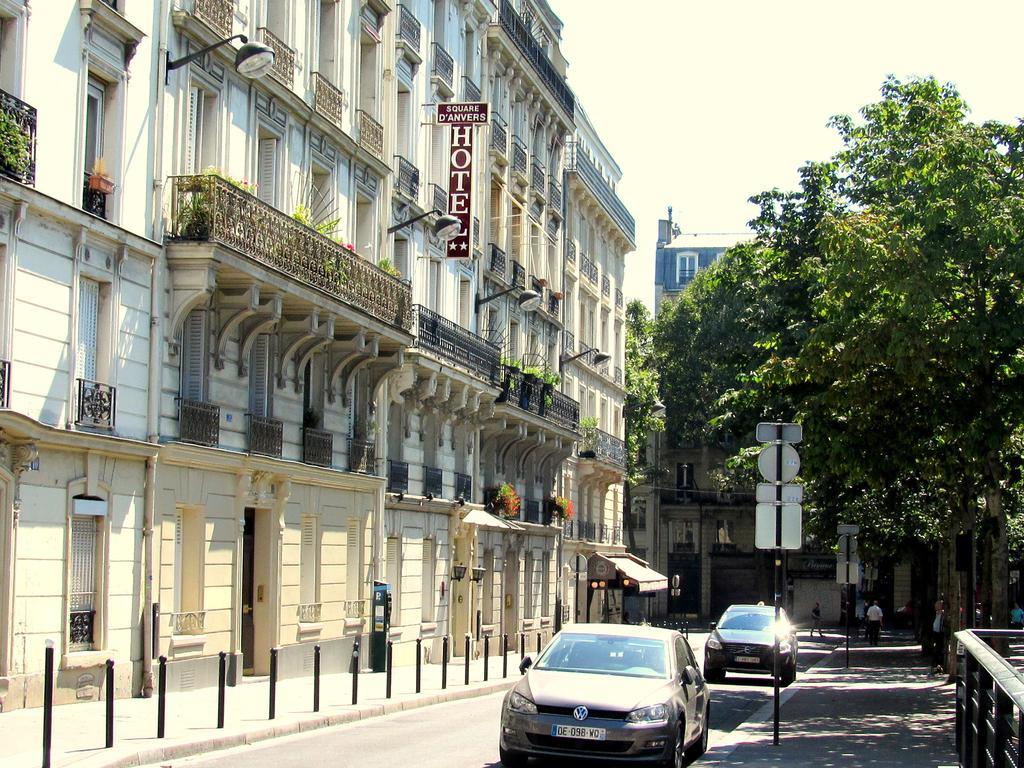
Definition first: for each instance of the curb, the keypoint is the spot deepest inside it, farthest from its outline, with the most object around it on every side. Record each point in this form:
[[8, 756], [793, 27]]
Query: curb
[[304, 725]]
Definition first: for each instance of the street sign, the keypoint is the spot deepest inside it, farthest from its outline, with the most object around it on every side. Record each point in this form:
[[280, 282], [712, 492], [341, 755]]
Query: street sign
[[847, 528], [463, 113], [764, 526], [768, 432], [847, 546], [854, 571], [768, 465], [791, 493]]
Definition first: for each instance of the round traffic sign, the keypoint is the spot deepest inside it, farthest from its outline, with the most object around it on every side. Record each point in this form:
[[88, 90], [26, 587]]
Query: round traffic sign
[[767, 463]]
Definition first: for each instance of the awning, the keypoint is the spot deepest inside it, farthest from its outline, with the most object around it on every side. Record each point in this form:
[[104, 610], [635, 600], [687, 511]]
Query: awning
[[483, 519], [632, 567]]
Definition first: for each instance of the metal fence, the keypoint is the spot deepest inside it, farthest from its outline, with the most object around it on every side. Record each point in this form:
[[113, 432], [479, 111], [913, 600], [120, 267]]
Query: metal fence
[[989, 700]]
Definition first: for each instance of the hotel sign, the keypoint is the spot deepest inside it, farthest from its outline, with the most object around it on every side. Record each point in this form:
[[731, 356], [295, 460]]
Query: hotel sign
[[461, 117]]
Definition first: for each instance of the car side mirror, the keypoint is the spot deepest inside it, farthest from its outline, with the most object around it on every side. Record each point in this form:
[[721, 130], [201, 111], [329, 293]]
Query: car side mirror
[[525, 664], [686, 676], [712, 626]]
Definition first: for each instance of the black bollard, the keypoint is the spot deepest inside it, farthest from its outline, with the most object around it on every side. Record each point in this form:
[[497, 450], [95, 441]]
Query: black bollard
[[487, 654], [273, 682], [355, 672], [387, 677], [444, 663], [316, 678], [419, 661], [161, 703], [467, 659], [222, 681], [522, 645], [47, 703], [504, 655], [110, 703], [538, 643]]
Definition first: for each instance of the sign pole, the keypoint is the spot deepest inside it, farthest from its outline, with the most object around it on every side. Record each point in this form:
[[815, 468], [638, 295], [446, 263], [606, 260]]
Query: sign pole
[[849, 607], [778, 578]]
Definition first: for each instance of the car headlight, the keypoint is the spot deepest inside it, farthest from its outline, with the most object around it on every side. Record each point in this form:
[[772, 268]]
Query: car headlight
[[519, 703], [714, 643], [657, 713]]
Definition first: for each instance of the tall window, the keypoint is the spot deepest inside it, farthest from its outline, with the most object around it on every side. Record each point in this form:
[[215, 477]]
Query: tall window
[[266, 182], [86, 519], [88, 329], [329, 50], [201, 138], [393, 563], [260, 376], [309, 561], [545, 584], [488, 608], [354, 561], [429, 578], [726, 534], [528, 596], [403, 136], [189, 542], [465, 303], [95, 109], [194, 338], [686, 267]]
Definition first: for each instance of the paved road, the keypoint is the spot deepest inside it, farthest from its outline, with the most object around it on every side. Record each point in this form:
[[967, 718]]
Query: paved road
[[463, 734]]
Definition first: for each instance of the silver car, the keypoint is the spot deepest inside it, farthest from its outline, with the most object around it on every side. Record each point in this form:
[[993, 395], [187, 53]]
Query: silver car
[[615, 692]]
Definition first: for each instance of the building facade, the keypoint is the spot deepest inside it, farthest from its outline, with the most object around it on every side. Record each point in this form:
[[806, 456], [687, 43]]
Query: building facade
[[679, 256], [240, 380]]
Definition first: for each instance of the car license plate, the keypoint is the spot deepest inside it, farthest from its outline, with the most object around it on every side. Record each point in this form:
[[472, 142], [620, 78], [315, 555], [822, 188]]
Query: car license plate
[[747, 660], [578, 732]]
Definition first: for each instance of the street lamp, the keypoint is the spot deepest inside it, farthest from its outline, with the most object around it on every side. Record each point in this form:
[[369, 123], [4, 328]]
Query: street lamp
[[658, 409], [445, 228], [252, 59], [599, 358], [528, 300]]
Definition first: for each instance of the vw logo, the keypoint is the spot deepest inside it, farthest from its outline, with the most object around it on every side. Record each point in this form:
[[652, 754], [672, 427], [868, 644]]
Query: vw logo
[[580, 713]]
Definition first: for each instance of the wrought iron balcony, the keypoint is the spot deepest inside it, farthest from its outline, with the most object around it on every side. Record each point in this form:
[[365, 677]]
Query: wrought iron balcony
[[620, 300], [361, 456], [198, 422], [598, 444], [536, 284], [317, 447], [208, 208], [94, 201], [265, 435], [407, 178], [527, 44], [398, 476], [470, 90], [433, 482], [19, 160], [449, 340], [581, 165], [216, 14], [537, 177], [309, 613], [554, 303], [606, 285], [284, 57], [463, 487], [498, 260], [499, 135], [563, 410], [570, 251], [371, 134], [588, 269], [518, 274], [5, 384], [444, 66], [439, 196], [409, 28], [569, 341], [328, 100], [97, 405], [519, 155], [554, 194], [80, 629], [618, 375], [188, 623], [532, 395]]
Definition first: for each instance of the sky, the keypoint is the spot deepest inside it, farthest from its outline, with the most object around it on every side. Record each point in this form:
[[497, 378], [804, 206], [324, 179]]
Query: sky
[[704, 103]]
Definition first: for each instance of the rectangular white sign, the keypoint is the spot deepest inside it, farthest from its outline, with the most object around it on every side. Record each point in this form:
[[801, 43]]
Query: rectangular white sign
[[791, 493], [764, 526], [768, 432]]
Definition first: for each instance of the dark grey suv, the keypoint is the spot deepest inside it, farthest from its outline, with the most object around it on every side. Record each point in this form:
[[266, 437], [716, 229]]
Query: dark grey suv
[[743, 641]]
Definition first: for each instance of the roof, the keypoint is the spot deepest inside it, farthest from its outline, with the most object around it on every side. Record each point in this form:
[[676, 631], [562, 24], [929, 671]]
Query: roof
[[620, 630], [721, 240], [751, 609]]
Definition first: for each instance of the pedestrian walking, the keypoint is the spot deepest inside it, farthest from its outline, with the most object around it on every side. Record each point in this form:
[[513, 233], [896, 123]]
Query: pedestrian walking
[[1016, 617], [816, 615], [939, 636], [874, 617]]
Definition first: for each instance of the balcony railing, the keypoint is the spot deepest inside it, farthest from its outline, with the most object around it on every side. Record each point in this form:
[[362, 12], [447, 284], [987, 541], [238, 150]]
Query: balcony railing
[[94, 201], [265, 435], [433, 482], [706, 497], [188, 623], [463, 487], [606, 285], [470, 90], [97, 405], [570, 251], [5, 384], [554, 303], [408, 28], [407, 178], [619, 298], [439, 198], [563, 410], [284, 57], [518, 274], [317, 447], [569, 341], [499, 135], [309, 613], [524, 40], [444, 66], [532, 395], [519, 155], [598, 444], [618, 374], [198, 422], [537, 177], [536, 284], [209, 208], [328, 100], [588, 269], [441, 336], [579, 163], [498, 260], [216, 14], [361, 456], [554, 194], [19, 161], [371, 135], [398, 476]]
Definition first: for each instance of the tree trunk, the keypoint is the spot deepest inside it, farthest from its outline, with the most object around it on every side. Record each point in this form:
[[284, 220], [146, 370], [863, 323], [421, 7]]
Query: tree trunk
[[627, 515]]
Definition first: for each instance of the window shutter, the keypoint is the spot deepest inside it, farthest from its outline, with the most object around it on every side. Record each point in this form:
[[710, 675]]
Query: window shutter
[[495, 221], [465, 303], [88, 319], [266, 189], [83, 562], [308, 557], [433, 298], [192, 139], [513, 341], [178, 536], [394, 570], [193, 356], [402, 256], [258, 375], [353, 549], [528, 584], [403, 139], [438, 156], [429, 576]]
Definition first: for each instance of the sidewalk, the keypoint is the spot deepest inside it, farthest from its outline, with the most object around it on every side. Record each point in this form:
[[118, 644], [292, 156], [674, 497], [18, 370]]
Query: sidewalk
[[191, 718], [885, 711]]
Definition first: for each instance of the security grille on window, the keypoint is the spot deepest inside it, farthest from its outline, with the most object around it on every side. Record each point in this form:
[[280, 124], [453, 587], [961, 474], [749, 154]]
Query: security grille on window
[[88, 329], [86, 517]]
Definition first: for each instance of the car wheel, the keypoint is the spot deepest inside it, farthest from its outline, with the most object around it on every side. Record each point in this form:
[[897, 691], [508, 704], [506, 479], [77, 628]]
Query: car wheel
[[700, 746], [511, 759], [677, 758]]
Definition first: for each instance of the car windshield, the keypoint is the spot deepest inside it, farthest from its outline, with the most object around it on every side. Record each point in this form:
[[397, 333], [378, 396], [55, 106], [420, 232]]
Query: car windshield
[[760, 622], [605, 654]]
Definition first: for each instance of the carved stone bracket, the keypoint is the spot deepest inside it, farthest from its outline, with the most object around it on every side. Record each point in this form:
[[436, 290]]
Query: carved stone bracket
[[263, 321], [21, 456], [241, 305], [528, 448], [349, 370], [342, 352], [192, 285], [310, 329], [504, 444]]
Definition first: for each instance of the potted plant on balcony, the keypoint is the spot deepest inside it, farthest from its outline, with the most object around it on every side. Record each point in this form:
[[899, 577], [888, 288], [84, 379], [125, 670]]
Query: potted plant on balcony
[[588, 439], [562, 508], [506, 501], [99, 181], [15, 154], [387, 266]]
